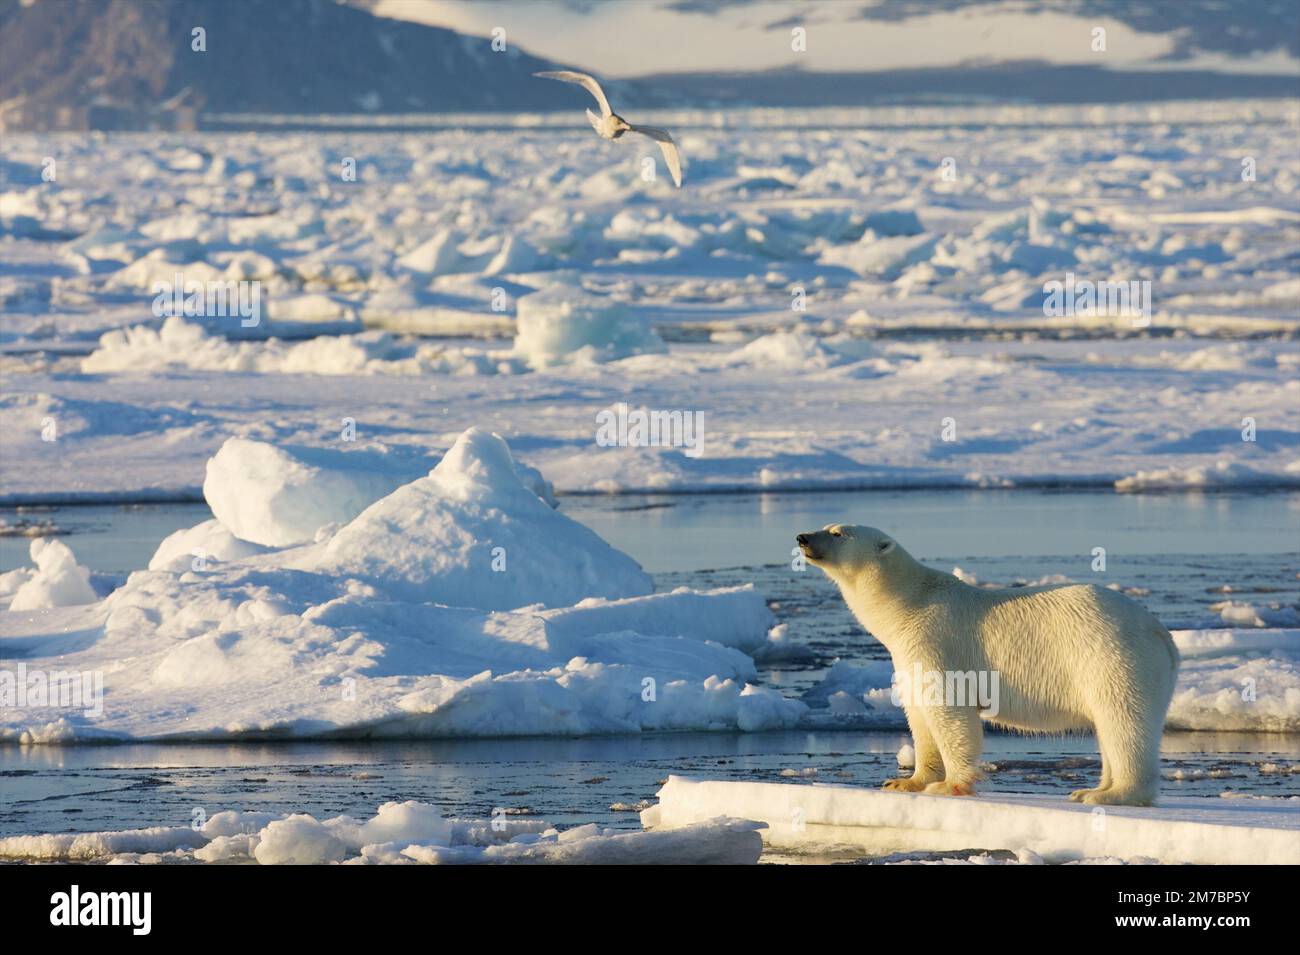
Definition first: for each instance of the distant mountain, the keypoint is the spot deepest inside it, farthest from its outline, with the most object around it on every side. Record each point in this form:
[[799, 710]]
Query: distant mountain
[[130, 63], [1030, 82]]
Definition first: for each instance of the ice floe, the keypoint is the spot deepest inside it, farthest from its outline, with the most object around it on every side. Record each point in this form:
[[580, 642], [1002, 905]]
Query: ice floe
[[458, 604], [820, 817]]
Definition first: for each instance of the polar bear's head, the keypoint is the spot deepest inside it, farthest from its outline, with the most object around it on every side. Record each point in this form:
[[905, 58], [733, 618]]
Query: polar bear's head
[[844, 550]]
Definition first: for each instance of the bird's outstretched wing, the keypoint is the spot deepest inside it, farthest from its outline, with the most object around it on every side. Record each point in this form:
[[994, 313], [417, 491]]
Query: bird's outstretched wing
[[583, 80], [667, 147]]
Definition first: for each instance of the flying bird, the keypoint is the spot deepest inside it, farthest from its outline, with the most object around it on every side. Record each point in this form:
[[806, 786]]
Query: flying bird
[[609, 125]]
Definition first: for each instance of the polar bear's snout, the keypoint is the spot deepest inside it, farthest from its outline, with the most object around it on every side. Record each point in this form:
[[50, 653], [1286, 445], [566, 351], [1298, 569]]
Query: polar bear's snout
[[843, 545], [812, 544]]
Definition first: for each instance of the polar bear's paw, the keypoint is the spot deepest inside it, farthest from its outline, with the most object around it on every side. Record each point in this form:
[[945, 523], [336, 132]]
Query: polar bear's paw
[[907, 784], [1081, 795], [1115, 796], [946, 787]]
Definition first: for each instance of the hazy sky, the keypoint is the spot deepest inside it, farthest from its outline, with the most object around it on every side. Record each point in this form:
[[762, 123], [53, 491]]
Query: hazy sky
[[635, 37]]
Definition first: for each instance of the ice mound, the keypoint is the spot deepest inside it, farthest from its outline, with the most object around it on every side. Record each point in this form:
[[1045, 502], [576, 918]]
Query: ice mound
[[720, 841], [314, 312], [1222, 473], [515, 255], [883, 256], [435, 256], [279, 496], [393, 625], [1246, 680], [191, 547], [472, 534], [161, 265], [798, 350], [856, 694], [563, 324], [59, 581], [298, 840], [406, 833], [1237, 613], [179, 343]]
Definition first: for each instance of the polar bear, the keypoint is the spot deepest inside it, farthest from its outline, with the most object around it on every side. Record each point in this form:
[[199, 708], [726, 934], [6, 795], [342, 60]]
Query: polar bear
[[1060, 658]]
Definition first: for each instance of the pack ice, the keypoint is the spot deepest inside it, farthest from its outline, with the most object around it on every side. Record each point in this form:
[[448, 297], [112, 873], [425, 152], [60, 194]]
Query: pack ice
[[407, 833], [821, 296], [321, 603]]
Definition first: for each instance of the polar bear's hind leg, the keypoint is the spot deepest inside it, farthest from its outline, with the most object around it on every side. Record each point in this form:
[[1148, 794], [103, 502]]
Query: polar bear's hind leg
[[1130, 744]]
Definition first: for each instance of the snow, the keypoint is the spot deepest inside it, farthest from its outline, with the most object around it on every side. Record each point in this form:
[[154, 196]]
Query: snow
[[59, 581], [399, 834], [811, 817]]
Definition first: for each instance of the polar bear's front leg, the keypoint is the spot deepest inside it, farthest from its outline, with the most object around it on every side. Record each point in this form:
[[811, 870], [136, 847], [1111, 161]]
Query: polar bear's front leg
[[929, 762], [959, 735], [1081, 795]]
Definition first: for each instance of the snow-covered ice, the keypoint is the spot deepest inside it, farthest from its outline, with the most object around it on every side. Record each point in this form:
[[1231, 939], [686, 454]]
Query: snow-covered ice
[[459, 604], [818, 817]]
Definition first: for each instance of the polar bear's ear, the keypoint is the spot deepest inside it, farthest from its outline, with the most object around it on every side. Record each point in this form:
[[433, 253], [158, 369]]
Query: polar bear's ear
[[884, 547]]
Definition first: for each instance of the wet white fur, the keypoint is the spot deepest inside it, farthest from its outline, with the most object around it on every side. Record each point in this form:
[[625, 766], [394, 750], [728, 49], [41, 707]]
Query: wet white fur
[[1069, 657]]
